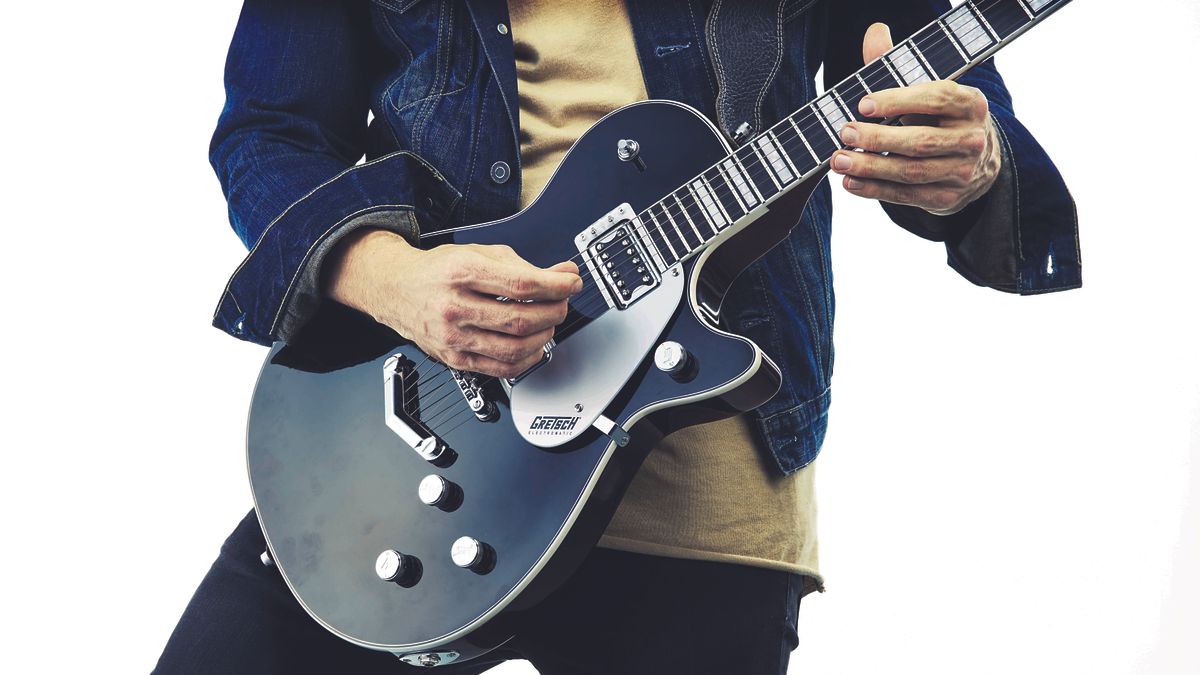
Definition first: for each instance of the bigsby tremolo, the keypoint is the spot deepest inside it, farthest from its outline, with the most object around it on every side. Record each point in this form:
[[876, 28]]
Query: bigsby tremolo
[[613, 251]]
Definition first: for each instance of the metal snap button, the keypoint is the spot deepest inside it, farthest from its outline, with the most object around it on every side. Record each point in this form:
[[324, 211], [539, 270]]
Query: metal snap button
[[500, 172], [502, 29]]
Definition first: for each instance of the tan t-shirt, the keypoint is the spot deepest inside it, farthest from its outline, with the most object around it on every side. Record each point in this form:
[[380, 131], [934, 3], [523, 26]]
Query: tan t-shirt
[[706, 492]]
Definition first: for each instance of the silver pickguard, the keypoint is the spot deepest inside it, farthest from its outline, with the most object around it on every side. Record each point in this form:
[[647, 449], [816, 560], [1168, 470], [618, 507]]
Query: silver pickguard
[[561, 399]]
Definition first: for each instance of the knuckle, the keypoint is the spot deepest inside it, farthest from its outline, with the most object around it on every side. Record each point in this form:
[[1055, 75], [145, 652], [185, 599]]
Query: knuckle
[[964, 173], [519, 287], [913, 172], [518, 324], [453, 313], [453, 338], [976, 140]]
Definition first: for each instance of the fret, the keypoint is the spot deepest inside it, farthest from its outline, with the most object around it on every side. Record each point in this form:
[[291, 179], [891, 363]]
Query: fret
[[969, 32], [892, 71], [1006, 16], [766, 166], [823, 145], [905, 61], [863, 83], [704, 198], [745, 173], [833, 137], [878, 75], [1038, 5], [782, 152], [924, 62], [747, 196], [1025, 6], [938, 52], [851, 93], [804, 140], [732, 190], [832, 113], [643, 234], [851, 115], [954, 41], [982, 20], [695, 230], [729, 205], [666, 236]]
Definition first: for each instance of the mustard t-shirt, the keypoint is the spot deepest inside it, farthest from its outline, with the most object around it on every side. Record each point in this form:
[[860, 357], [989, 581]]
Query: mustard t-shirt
[[705, 492]]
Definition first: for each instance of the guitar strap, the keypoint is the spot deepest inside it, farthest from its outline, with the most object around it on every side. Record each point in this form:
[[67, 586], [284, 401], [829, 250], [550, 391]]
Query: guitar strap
[[745, 42]]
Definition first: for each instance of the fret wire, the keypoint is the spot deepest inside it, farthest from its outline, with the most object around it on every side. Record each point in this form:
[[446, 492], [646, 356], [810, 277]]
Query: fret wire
[[682, 240], [716, 199], [664, 234], [860, 81], [703, 211], [688, 216], [649, 245], [1025, 6], [979, 15], [736, 190], [924, 62], [804, 141], [837, 142], [746, 177], [780, 151], [887, 63], [953, 40], [845, 108], [767, 167]]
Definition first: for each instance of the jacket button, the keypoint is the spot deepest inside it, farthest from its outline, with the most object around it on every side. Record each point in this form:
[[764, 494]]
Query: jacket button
[[500, 173], [502, 29]]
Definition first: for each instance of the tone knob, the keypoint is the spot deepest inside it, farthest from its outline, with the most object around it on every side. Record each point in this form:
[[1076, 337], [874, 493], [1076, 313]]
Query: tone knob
[[472, 554], [437, 491], [398, 568], [671, 358]]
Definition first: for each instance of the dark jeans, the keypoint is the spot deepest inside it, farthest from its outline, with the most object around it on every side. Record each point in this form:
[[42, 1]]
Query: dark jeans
[[621, 613]]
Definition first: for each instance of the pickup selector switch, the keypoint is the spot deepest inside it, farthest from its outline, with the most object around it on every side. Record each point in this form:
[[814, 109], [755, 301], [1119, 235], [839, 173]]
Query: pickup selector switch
[[472, 554], [437, 491], [398, 568]]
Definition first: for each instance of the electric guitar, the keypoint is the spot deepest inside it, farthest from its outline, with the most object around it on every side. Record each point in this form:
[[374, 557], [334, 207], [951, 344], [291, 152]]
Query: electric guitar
[[417, 509]]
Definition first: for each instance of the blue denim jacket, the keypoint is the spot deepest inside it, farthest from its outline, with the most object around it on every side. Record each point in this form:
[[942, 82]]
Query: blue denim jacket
[[438, 77]]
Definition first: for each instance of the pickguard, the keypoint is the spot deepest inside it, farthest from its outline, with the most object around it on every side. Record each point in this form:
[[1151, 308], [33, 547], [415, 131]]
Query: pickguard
[[560, 400]]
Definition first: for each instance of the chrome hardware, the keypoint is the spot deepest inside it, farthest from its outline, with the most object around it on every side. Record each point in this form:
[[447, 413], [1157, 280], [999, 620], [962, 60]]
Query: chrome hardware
[[430, 659], [472, 554], [743, 131], [434, 490], [609, 428], [265, 559], [627, 150], [394, 566], [467, 383], [614, 252], [402, 412], [670, 357]]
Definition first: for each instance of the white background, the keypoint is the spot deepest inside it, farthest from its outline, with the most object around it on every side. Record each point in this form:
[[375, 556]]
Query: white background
[[1009, 484]]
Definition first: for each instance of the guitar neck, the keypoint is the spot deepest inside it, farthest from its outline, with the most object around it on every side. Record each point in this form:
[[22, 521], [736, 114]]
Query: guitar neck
[[800, 145]]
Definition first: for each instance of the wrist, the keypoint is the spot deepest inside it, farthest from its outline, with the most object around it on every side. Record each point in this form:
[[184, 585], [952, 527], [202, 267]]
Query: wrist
[[353, 273]]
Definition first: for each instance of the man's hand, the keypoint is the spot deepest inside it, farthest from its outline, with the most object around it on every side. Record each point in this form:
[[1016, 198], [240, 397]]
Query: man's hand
[[945, 156], [444, 299]]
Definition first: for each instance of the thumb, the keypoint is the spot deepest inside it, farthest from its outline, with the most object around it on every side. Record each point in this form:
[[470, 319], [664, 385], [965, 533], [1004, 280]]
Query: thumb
[[877, 42]]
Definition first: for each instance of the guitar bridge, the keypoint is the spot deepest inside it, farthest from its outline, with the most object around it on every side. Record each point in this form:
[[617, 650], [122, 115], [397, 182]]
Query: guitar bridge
[[402, 411], [472, 391], [612, 249]]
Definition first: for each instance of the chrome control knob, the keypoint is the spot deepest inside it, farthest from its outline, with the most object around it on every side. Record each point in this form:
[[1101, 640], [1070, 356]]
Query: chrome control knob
[[671, 358], [472, 554], [398, 568], [437, 491]]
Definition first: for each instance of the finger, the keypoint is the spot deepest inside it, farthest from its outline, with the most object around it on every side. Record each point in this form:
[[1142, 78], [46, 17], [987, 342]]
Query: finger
[[498, 346], [520, 280], [565, 266], [942, 98], [485, 365], [513, 318], [901, 169], [877, 42], [915, 141], [934, 198]]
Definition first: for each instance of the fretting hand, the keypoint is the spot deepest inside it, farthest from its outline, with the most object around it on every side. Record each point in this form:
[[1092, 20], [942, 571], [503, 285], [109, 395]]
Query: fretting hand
[[945, 156], [444, 299]]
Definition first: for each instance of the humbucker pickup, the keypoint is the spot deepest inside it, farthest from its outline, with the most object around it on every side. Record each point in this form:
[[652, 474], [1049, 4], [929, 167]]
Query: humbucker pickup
[[614, 253]]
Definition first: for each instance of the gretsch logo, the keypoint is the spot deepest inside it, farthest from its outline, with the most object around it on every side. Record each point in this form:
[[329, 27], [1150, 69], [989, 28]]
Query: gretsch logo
[[548, 425]]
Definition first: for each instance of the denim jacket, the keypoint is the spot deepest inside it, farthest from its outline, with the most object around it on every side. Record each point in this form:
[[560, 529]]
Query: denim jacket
[[441, 150]]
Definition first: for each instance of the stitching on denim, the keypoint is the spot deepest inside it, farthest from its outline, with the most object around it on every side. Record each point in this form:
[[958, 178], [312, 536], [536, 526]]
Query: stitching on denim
[[798, 406], [262, 237], [1016, 193], [800, 10], [470, 174], [696, 30], [794, 264], [827, 286], [287, 294], [385, 20], [397, 7], [441, 70]]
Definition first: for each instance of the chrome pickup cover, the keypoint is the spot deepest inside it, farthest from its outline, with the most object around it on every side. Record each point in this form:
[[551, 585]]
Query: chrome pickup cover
[[613, 250]]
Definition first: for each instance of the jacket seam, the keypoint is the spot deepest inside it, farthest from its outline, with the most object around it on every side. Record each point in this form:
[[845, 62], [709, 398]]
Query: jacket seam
[[798, 406]]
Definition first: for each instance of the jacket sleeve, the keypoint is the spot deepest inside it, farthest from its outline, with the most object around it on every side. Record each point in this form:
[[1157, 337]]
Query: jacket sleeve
[[286, 151], [1020, 237]]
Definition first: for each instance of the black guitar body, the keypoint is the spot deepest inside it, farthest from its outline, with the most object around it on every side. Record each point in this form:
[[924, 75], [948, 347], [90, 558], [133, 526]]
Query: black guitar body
[[334, 486]]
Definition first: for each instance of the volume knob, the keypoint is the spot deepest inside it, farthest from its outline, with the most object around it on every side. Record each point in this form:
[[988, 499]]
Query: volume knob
[[671, 358], [472, 554], [398, 568], [437, 491]]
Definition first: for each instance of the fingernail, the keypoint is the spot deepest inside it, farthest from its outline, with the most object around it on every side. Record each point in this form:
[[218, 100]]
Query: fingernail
[[849, 135], [853, 184], [867, 107], [578, 285], [841, 162]]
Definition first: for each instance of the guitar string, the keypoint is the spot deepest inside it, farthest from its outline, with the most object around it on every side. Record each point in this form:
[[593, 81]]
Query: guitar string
[[813, 122]]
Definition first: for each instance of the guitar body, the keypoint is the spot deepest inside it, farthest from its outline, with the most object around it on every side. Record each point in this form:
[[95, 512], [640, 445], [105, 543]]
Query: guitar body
[[334, 486]]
